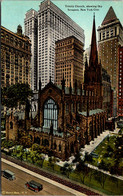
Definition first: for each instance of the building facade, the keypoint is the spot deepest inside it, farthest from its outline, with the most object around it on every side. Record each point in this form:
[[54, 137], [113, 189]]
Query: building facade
[[120, 83], [31, 23], [15, 57], [110, 36], [106, 90], [53, 25], [66, 120], [69, 61]]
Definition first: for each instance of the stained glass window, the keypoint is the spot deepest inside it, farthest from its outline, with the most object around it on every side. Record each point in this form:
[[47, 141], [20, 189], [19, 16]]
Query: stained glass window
[[50, 114]]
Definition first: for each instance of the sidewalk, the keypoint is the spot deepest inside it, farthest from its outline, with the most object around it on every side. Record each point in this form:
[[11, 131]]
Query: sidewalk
[[105, 172], [93, 144]]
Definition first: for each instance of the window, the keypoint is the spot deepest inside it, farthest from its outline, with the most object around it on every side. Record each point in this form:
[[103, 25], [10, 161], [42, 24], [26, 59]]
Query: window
[[107, 34], [111, 32], [103, 36], [11, 125], [50, 114], [115, 31], [67, 108]]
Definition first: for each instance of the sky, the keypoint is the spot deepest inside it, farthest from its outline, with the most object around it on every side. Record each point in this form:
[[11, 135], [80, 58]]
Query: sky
[[13, 13]]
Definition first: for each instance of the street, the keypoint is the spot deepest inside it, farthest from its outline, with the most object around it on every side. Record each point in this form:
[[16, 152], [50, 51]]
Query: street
[[16, 187]]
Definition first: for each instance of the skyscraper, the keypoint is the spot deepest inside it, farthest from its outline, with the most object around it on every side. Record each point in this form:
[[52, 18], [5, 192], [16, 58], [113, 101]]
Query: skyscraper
[[31, 31], [69, 61], [53, 24], [15, 57], [110, 37], [120, 83]]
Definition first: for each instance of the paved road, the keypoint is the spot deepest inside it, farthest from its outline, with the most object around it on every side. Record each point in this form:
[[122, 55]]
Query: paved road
[[17, 186]]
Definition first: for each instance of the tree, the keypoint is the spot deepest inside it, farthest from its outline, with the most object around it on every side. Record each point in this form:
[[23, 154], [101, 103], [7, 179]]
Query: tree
[[25, 141], [100, 177], [82, 170], [37, 147], [52, 161], [16, 94], [66, 169], [88, 157], [40, 160], [114, 180], [103, 165], [77, 158]]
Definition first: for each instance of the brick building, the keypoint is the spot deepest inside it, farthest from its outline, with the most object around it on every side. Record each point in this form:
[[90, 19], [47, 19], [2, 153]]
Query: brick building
[[110, 35], [15, 57], [120, 83], [107, 93], [69, 61]]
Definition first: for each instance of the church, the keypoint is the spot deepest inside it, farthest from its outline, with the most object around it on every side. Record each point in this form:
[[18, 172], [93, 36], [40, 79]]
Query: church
[[67, 118]]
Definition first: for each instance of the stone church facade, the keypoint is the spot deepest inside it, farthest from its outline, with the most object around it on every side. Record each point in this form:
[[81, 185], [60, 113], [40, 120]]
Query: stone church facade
[[67, 118]]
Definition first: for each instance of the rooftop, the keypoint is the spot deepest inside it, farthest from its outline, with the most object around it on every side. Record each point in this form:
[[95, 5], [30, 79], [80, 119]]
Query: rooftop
[[110, 16], [91, 112]]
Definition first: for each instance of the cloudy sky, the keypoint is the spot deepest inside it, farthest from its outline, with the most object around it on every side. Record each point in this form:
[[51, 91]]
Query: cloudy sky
[[13, 12]]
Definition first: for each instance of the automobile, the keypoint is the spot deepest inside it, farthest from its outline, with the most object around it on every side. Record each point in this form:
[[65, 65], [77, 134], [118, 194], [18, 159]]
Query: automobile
[[35, 186], [8, 174]]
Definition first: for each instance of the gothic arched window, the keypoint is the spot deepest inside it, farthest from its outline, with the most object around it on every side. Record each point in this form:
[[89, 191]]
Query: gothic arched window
[[50, 114]]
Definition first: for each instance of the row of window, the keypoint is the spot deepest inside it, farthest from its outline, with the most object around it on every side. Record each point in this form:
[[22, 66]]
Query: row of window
[[107, 34]]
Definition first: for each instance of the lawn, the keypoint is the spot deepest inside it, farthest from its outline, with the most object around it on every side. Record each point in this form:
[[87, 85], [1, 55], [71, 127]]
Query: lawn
[[92, 178], [109, 151]]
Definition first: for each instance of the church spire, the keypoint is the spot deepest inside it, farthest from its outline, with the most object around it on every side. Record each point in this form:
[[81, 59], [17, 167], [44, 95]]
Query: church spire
[[93, 54]]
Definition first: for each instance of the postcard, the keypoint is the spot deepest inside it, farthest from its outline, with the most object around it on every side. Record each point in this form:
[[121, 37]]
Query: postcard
[[61, 97]]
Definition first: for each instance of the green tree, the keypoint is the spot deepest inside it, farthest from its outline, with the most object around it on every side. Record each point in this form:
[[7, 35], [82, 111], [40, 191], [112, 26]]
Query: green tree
[[16, 94], [103, 165], [82, 170], [52, 161], [66, 169], [88, 157], [37, 147], [77, 158], [40, 160], [100, 177]]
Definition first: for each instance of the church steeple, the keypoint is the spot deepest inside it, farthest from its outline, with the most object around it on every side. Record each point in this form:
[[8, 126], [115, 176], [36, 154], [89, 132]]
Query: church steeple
[[93, 54]]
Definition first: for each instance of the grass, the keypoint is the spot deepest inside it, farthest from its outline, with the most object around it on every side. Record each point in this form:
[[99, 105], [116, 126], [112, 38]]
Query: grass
[[109, 183], [112, 186], [104, 154]]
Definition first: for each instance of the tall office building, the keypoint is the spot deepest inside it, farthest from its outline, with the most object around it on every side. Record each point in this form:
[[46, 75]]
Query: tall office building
[[31, 31], [15, 57], [120, 83], [110, 37], [53, 25], [69, 61]]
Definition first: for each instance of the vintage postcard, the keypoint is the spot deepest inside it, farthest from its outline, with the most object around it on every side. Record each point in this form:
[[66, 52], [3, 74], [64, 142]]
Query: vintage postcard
[[61, 97]]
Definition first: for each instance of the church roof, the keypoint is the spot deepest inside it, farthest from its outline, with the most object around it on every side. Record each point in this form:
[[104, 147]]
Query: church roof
[[110, 16], [92, 112]]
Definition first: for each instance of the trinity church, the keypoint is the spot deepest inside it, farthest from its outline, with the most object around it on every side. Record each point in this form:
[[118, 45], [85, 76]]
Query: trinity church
[[67, 118]]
